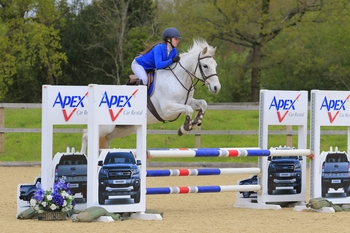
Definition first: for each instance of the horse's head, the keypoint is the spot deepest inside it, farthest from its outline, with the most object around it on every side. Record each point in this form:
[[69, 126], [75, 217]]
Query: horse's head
[[205, 69]]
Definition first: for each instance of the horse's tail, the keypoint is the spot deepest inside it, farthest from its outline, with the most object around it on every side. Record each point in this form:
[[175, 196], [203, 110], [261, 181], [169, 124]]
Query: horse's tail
[[103, 143]]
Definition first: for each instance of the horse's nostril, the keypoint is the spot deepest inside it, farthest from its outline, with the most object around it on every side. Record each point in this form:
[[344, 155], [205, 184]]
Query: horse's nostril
[[216, 89]]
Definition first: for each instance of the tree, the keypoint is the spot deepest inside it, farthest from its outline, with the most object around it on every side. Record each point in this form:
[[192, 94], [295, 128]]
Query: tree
[[313, 57], [31, 48], [250, 24], [96, 40]]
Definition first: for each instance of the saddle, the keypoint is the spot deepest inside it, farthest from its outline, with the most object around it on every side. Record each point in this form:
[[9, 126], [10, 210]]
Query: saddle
[[134, 80]]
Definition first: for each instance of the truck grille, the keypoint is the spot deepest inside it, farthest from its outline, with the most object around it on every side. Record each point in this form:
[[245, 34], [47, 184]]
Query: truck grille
[[119, 174], [285, 168]]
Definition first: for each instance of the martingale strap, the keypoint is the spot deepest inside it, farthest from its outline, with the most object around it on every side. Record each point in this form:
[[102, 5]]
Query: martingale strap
[[153, 110]]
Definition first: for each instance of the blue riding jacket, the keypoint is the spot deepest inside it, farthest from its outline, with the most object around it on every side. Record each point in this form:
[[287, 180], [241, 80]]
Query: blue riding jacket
[[157, 58]]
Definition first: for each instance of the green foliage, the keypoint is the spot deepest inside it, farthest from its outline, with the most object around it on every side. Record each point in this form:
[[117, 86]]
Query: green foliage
[[101, 40], [31, 50]]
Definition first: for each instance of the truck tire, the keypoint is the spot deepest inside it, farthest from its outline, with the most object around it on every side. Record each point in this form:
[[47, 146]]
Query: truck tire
[[101, 197], [246, 194], [324, 191], [137, 197]]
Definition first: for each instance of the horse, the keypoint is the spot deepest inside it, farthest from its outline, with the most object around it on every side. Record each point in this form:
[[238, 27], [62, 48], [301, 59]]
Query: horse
[[173, 94]]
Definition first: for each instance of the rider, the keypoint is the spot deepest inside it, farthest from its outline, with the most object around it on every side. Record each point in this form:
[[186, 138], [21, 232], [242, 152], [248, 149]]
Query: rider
[[159, 56]]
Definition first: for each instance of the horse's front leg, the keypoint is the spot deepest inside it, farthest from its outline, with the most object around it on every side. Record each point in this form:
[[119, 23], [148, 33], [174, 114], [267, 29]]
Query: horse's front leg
[[202, 106], [172, 109], [187, 126]]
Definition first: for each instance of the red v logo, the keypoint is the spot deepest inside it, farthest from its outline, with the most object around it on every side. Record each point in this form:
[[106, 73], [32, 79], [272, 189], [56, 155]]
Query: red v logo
[[114, 117], [280, 118], [67, 117], [331, 119]]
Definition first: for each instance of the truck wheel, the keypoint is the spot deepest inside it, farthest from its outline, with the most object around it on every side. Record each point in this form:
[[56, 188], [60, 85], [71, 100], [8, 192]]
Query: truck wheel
[[246, 194], [101, 199], [101, 196], [137, 197], [347, 191], [324, 191]]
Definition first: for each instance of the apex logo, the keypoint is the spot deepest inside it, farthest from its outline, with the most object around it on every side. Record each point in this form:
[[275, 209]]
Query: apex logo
[[119, 101], [335, 105], [283, 105], [69, 102]]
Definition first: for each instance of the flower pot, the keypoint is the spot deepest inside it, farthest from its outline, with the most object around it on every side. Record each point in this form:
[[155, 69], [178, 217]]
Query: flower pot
[[52, 215]]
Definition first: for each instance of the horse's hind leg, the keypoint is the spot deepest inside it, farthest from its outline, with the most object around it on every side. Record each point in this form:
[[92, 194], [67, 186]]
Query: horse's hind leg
[[84, 141], [103, 144]]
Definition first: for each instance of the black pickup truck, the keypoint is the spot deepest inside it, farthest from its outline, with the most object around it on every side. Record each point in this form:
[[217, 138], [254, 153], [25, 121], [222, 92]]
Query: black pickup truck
[[119, 175], [73, 168], [284, 171], [335, 172], [26, 191]]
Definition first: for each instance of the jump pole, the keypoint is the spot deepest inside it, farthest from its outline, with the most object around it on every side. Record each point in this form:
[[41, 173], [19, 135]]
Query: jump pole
[[202, 172], [202, 189], [226, 153]]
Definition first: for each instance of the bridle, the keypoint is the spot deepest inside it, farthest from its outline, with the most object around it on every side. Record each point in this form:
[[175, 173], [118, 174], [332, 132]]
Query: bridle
[[192, 75]]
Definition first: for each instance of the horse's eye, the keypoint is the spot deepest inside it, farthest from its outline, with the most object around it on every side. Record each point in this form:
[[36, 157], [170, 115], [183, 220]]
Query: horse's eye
[[205, 66]]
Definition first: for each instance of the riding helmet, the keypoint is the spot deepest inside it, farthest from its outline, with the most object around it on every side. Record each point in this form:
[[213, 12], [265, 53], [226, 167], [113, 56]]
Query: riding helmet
[[171, 32]]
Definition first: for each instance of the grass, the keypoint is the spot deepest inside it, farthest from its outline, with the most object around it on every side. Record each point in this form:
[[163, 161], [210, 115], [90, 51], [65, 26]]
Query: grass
[[27, 146]]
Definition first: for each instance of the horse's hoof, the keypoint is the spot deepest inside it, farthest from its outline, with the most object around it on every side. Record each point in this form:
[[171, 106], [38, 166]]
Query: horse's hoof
[[179, 132]]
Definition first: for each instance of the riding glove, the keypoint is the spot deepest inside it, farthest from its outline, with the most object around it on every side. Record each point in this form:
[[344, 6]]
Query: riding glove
[[176, 59]]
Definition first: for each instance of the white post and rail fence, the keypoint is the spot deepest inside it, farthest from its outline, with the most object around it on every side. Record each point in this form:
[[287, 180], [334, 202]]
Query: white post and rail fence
[[220, 106]]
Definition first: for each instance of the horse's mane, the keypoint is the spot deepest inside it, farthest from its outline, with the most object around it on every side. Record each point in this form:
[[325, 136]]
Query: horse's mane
[[199, 45]]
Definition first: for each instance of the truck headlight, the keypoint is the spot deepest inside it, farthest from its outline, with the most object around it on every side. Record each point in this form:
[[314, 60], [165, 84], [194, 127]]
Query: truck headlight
[[135, 171]]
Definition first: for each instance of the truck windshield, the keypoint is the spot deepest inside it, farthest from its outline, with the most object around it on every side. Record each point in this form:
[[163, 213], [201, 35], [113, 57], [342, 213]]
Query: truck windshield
[[336, 158], [120, 158]]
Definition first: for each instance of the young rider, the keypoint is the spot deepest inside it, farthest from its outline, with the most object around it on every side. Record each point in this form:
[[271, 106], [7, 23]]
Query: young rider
[[159, 56]]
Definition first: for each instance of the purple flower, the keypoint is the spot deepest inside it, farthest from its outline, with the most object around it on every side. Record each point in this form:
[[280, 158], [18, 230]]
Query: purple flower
[[58, 199], [39, 194]]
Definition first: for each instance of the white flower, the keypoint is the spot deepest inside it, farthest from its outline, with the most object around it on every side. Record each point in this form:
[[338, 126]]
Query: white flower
[[36, 208], [53, 207], [49, 197], [64, 194], [32, 202], [64, 203], [44, 204]]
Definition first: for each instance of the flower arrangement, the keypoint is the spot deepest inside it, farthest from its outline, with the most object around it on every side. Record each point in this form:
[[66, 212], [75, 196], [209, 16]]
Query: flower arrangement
[[57, 198]]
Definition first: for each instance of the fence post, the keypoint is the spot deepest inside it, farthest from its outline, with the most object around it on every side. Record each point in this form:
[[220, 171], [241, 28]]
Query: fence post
[[289, 140], [2, 125], [197, 139]]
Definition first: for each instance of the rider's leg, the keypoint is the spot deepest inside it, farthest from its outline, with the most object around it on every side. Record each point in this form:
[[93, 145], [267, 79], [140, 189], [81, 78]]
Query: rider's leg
[[139, 71]]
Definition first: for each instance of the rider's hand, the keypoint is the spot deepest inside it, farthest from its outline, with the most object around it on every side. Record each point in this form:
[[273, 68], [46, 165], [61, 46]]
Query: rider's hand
[[176, 59]]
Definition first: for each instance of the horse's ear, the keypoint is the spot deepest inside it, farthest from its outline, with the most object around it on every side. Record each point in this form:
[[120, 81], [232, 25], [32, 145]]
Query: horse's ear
[[204, 50], [213, 51]]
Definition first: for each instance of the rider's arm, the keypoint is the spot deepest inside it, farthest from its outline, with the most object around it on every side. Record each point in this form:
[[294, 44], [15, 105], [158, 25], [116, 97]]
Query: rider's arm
[[161, 59]]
